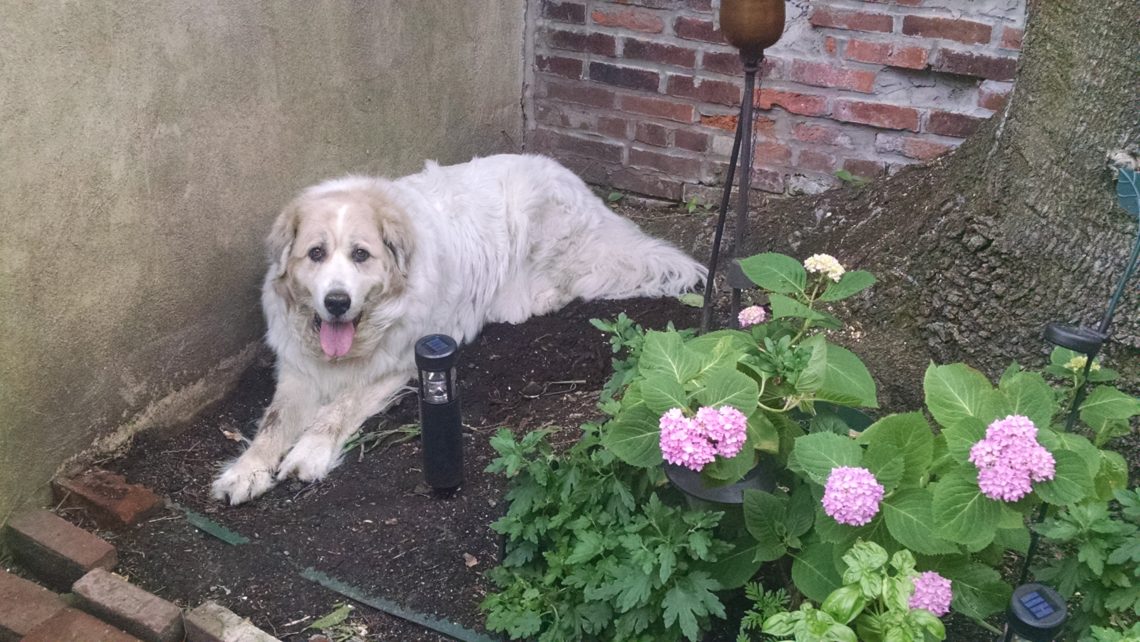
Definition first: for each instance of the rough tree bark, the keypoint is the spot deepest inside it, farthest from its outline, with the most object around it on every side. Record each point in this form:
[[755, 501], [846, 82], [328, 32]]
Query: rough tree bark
[[1019, 226]]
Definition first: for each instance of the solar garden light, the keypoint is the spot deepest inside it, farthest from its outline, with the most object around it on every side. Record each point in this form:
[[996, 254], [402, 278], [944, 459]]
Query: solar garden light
[[441, 431], [1036, 613], [751, 26]]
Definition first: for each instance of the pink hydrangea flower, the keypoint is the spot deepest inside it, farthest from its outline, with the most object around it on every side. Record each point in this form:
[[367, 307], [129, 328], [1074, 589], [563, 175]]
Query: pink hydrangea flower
[[727, 428], [1009, 459], [852, 495], [753, 315], [683, 443], [696, 442], [931, 592]]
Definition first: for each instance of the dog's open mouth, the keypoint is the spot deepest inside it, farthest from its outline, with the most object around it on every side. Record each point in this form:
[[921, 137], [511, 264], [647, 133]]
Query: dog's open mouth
[[336, 336]]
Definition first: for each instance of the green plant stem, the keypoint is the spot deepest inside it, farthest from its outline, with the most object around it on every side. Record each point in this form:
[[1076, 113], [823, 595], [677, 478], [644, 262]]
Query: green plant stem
[[807, 322]]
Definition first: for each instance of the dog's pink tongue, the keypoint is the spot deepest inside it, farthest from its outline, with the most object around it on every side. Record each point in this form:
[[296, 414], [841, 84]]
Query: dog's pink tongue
[[336, 337]]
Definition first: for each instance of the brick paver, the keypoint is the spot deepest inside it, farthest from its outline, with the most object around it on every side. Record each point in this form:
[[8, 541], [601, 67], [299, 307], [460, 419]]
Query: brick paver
[[71, 625], [117, 601], [108, 498], [54, 550], [212, 622], [24, 605]]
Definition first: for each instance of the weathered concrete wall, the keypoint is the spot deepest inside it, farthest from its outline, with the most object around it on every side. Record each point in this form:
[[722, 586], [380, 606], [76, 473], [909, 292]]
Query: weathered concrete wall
[[144, 150]]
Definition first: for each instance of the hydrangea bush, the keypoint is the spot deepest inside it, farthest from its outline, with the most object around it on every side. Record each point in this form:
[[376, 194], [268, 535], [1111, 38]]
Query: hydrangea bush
[[958, 497], [925, 516]]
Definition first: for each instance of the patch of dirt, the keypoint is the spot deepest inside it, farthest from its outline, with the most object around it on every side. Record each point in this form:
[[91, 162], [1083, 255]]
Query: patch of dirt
[[372, 523]]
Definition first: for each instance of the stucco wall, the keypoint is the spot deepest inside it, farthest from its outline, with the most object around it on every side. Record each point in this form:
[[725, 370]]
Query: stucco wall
[[144, 150]]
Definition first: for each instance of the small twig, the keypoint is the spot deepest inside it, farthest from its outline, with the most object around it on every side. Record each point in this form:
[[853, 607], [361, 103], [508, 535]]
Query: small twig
[[405, 553], [184, 450]]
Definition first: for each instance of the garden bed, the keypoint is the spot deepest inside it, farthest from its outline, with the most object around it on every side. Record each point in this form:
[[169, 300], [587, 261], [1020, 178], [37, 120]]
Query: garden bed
[[371, 523], [374, 525]]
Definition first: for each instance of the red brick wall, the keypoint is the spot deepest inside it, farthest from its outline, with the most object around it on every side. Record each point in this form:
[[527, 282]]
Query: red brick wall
[[642, 95]]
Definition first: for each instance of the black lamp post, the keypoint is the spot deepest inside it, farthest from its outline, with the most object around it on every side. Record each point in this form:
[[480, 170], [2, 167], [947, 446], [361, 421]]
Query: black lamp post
[[1089, 341], [440, 418], [1036, 613], [751, 26]]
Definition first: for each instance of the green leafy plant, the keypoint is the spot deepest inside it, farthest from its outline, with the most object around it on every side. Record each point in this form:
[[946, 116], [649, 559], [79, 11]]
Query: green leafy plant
[[851, 179], [765, 604], [931, 500], [336, 626], [1097, 566], [627, 340], [765, 372], [592, 551], [1104, 634], [873, 605], [695, 205]]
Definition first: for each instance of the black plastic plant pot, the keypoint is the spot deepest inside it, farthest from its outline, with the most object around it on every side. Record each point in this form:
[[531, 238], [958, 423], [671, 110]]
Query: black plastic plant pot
[[440, 416], [761, 477], [1078, 339], [1036, 613], [855, 419]]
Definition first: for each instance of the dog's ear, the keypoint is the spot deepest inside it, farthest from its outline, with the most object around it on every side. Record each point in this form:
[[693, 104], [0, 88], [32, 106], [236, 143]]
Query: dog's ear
[[279, 243], [395, 230], [398, 243]]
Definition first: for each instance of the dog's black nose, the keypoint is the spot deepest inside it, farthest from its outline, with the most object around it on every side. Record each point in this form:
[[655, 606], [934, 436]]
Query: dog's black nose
[[337, 303]]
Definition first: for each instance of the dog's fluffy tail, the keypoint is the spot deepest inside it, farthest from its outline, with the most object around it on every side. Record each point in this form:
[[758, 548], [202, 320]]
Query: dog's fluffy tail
[[627, 262]]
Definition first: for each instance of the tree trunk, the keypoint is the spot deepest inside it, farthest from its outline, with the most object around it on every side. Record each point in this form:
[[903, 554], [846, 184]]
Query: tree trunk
[[1018, 227]]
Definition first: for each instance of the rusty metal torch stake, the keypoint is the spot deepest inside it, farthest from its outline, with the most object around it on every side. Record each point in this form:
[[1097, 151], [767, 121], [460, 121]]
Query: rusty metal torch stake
[[743, 124], [751, 26]]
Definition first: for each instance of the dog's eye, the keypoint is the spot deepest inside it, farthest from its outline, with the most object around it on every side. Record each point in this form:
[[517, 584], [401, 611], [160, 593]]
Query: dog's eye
[[317, 254], [360, 255]]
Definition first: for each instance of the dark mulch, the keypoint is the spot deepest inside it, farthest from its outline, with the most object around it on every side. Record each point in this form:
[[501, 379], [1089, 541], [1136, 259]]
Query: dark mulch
[[372, 523]]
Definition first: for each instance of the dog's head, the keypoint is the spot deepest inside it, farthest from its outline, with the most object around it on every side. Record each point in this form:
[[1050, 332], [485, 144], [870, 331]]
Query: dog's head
[[336, 253]]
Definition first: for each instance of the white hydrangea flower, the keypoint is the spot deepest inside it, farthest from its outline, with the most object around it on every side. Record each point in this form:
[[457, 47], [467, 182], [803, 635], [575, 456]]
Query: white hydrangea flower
[[824, 264], [1077, 364]]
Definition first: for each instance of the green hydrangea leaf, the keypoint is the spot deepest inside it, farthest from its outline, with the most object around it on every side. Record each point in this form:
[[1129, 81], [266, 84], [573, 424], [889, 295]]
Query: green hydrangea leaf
[[911, 435], [814, 572], [1107, 411], [634, 436], [764, 513], [978, 590], [816, 454], [729, 387], [775, 272], [962, 514], [665, 352], [911, 521], [886, 463], [849, 284], [662, 393], [955, 392], [1071, 482], [847, 381], [1029, 395]]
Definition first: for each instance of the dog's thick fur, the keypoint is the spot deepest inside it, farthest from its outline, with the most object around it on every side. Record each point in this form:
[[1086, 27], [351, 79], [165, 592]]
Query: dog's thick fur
[[362, 267]]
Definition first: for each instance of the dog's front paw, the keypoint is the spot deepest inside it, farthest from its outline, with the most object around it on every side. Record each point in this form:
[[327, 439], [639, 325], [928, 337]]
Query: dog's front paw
[[243, 480], [311, 458]]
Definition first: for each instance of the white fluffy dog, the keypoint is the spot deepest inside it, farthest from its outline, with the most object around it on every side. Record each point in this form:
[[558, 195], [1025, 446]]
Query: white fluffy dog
[[361, 267]]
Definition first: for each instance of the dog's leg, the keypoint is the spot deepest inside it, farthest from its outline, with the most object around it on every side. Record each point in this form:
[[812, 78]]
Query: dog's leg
[[320, 449], [292, 409]]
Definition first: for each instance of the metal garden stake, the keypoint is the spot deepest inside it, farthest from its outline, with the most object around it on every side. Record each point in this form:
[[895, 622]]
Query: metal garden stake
[[751, 26]]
